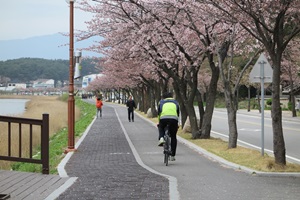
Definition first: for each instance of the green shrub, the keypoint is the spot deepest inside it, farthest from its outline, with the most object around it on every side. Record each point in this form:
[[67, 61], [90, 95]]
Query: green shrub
[[58, 142], [64, 97], [289, 105], [269, 102]]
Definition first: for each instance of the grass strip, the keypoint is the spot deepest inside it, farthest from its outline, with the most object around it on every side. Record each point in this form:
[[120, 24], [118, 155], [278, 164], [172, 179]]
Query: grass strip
[[59, 141]]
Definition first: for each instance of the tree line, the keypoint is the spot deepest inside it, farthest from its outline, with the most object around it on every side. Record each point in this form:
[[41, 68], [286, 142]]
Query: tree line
[[24, 70], [191, 47]]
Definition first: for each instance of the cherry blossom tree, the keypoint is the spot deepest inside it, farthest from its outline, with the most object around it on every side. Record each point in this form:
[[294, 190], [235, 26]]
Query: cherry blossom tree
[[176, 36], [199, 29], [228, 40], [290, 70], [145, 29], [274, 23], [173, 38]]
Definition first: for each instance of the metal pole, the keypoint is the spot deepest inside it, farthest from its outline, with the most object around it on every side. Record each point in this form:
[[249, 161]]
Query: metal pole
[[262, 106], [45, 144], [71, 106]]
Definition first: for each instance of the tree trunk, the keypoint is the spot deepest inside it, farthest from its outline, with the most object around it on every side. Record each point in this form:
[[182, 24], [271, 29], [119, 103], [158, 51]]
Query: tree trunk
[[210, 103], [231, 105], [148, 99], [294, 113], [156, 97], [193, 120], [183, 110], [278, 140], [186, 99], [258, 101], [200, 108], [249, 98], [233, 133], [153, 102], [138, 97]]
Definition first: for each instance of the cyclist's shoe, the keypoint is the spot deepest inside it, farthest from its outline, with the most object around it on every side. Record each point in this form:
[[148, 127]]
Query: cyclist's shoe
[[172, 158], [161, 142]]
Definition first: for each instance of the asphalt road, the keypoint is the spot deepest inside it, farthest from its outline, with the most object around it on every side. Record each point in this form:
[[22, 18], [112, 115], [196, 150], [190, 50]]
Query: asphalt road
[[250, 129]]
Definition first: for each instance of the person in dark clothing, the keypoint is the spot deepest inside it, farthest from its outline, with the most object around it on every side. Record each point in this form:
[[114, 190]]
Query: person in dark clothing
[[131, 106]]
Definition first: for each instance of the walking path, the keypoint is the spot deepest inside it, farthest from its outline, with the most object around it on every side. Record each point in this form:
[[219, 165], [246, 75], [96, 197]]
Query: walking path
[[117, 159], [106, 167]]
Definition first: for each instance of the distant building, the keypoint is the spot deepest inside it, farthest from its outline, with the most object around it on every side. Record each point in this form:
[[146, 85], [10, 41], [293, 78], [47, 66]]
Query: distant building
[[43, 83], [89, 78], [12, 86]]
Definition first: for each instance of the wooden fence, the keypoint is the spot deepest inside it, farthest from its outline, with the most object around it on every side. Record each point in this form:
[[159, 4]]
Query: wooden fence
[[44, 124]]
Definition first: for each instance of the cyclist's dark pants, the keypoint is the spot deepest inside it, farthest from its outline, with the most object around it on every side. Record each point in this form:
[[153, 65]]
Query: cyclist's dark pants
[[173, 127]]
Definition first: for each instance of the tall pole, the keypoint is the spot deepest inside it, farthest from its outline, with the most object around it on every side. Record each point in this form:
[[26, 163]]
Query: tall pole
[[262, 79], [262, 70], [71, 101]]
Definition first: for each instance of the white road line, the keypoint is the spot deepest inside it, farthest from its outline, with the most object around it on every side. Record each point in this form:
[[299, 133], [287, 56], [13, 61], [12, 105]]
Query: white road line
[[119, 153], [173, 186], [256, 147], [248, 129]]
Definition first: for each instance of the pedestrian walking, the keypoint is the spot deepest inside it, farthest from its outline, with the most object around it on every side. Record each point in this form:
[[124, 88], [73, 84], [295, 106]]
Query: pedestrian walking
[[99, 105], [131, 106]]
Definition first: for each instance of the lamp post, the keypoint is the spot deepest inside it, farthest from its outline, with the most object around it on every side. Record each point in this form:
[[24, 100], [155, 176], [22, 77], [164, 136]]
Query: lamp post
[[71, 101]]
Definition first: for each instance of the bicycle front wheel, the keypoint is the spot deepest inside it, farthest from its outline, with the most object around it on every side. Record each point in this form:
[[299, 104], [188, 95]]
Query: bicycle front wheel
[[166, 161], [166, 150]]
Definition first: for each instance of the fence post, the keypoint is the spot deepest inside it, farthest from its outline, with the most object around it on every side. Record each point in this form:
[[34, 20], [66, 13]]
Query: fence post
[[45, 144]]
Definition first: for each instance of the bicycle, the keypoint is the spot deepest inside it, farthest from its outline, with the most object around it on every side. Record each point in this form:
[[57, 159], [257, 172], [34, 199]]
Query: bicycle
[[167, 146]]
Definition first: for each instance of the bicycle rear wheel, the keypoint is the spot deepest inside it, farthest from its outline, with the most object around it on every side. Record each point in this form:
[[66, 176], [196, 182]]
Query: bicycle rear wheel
[[166, 150]]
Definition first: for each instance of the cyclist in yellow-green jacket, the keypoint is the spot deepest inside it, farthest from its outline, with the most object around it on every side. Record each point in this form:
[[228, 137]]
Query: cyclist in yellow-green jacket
[[168, 113]]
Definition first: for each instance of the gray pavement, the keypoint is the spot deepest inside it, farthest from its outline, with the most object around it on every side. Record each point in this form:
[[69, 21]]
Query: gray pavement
[[107, 169], [117, 159]]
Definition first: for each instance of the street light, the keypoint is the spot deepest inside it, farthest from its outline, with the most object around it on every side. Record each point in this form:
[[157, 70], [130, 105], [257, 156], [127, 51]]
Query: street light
[[71, 101], [77, 70]]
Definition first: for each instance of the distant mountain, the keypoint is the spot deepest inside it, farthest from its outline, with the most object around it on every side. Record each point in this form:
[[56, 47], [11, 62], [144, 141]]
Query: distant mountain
[[54, 46]]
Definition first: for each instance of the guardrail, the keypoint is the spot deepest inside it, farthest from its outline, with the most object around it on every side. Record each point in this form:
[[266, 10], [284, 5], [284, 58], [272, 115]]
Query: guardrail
[[44, 124]]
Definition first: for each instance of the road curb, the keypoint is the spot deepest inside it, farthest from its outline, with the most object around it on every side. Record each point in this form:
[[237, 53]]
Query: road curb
[[234, 165]]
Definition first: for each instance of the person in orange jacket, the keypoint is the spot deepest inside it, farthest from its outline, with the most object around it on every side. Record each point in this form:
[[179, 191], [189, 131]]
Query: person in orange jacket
[[99, 105]]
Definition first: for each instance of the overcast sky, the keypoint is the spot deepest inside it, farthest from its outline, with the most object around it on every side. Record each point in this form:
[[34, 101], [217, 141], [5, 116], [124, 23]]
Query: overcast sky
[[20, 19]]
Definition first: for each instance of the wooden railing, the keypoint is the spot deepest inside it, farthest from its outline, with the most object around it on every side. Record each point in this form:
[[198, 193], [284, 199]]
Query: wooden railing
[[44, 124]]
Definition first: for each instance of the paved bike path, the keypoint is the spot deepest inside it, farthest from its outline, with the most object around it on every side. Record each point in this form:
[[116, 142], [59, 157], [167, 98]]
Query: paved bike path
[[105, 163], [106, 167]]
